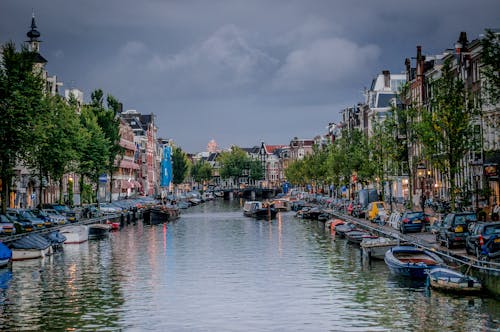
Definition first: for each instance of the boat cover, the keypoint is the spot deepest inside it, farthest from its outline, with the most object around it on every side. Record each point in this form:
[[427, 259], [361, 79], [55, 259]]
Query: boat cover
[[5, 252], [55, 237], [31, 241]]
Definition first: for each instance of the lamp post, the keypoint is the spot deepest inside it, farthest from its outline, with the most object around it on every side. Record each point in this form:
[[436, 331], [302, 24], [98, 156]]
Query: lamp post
[[477, 169], [421, 173]]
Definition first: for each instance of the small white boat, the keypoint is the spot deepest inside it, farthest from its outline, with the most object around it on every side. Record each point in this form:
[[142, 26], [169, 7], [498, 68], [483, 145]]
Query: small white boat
[[97, 231], [448, 280], [30, 246], [281, 204], [75, 234], [377, 247]]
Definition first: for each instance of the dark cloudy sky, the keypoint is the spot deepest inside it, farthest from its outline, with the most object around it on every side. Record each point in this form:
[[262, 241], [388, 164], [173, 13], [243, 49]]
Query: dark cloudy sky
[[238, 71]]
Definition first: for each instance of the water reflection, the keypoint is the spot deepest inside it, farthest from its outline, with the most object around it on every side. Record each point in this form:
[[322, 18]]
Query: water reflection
[[214, 269]]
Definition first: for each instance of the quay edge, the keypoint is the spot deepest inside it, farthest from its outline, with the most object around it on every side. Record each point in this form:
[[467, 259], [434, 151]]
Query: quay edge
[[487, 272]]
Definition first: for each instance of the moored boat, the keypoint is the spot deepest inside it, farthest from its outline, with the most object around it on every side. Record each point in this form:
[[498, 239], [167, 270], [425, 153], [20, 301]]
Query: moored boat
[[356, 236], [5, 255], [250, 206], [75, 234], [162, 213], [377, 247], [97, 231], [30, 246], [342, 229], [449, 280], [281, 204], [411, 261], [56, 239]]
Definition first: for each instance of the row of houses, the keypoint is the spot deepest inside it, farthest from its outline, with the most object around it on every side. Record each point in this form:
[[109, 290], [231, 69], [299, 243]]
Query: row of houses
[[416, 178], [137, 170]]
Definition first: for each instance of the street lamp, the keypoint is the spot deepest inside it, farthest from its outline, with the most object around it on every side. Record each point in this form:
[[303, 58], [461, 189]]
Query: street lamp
[[477, 169], [421, 173]]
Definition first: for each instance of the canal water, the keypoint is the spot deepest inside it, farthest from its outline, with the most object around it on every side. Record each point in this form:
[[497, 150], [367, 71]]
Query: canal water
[[215, 270]]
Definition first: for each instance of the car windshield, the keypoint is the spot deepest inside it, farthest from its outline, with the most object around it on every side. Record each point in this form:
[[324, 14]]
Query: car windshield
[[493, 229], [414, 215], [460, 220], [4, 219], [28, 214]]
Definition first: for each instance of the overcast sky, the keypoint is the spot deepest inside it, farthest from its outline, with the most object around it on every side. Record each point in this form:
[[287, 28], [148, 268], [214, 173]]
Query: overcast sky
[[239, 72]]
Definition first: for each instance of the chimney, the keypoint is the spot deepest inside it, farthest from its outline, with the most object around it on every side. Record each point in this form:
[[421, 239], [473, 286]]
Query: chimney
[[387, 78]]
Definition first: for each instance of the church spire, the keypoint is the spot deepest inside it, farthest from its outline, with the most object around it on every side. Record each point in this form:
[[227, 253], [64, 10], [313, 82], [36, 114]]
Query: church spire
[[33, 36]]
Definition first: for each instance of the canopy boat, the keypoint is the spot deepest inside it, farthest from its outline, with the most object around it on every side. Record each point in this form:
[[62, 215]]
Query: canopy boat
[[411, 261], [377, 247], [5, 255], [161, 213], [250, 206], [75, 234], [29, 247], [448, 280], [256, 209], [98, 231]]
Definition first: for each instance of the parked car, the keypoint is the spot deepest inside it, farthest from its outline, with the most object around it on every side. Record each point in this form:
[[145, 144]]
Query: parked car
[[48, 222], [108, 208], [6, 225], [28, 215], [454, 228], [21, 225], [71, 214], [375, 210], [480, 233], [490, 250], [412, 221]]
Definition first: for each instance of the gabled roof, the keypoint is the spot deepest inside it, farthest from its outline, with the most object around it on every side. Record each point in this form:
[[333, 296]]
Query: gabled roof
[[271, 148]]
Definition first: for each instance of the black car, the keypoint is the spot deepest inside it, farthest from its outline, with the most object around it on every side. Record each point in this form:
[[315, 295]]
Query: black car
[[480, 233], [454, 228], [412, 221]]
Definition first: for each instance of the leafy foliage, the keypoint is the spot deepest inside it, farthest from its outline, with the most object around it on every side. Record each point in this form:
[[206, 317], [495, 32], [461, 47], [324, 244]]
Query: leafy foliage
[[180, 166], [21, 93]]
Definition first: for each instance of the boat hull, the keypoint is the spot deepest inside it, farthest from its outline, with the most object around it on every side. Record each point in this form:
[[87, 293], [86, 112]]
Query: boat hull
[[75, 234], [24, 254], [451, 281], [99, 231], [411, 262]]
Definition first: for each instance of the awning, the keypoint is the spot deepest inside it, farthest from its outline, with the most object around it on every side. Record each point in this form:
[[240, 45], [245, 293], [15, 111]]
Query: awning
[[128, 164]]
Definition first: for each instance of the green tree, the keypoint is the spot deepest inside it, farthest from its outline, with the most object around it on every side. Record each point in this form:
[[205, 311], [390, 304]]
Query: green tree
[[55, 143], [490, 59], [201, 171], [234, 163], [21, 92], [95, 150], [180, 166], [108, 120], [446, 129], [255, 170]]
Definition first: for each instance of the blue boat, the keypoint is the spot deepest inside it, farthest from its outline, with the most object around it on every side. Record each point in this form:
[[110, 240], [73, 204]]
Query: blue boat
[[5, 255], [411, 261]]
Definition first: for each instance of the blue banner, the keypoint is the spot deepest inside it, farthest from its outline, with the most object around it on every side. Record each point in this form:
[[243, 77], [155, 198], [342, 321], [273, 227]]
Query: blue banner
[[166, 167]]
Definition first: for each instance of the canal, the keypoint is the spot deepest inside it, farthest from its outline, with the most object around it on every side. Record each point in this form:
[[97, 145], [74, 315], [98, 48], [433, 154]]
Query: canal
[[215, 270]]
